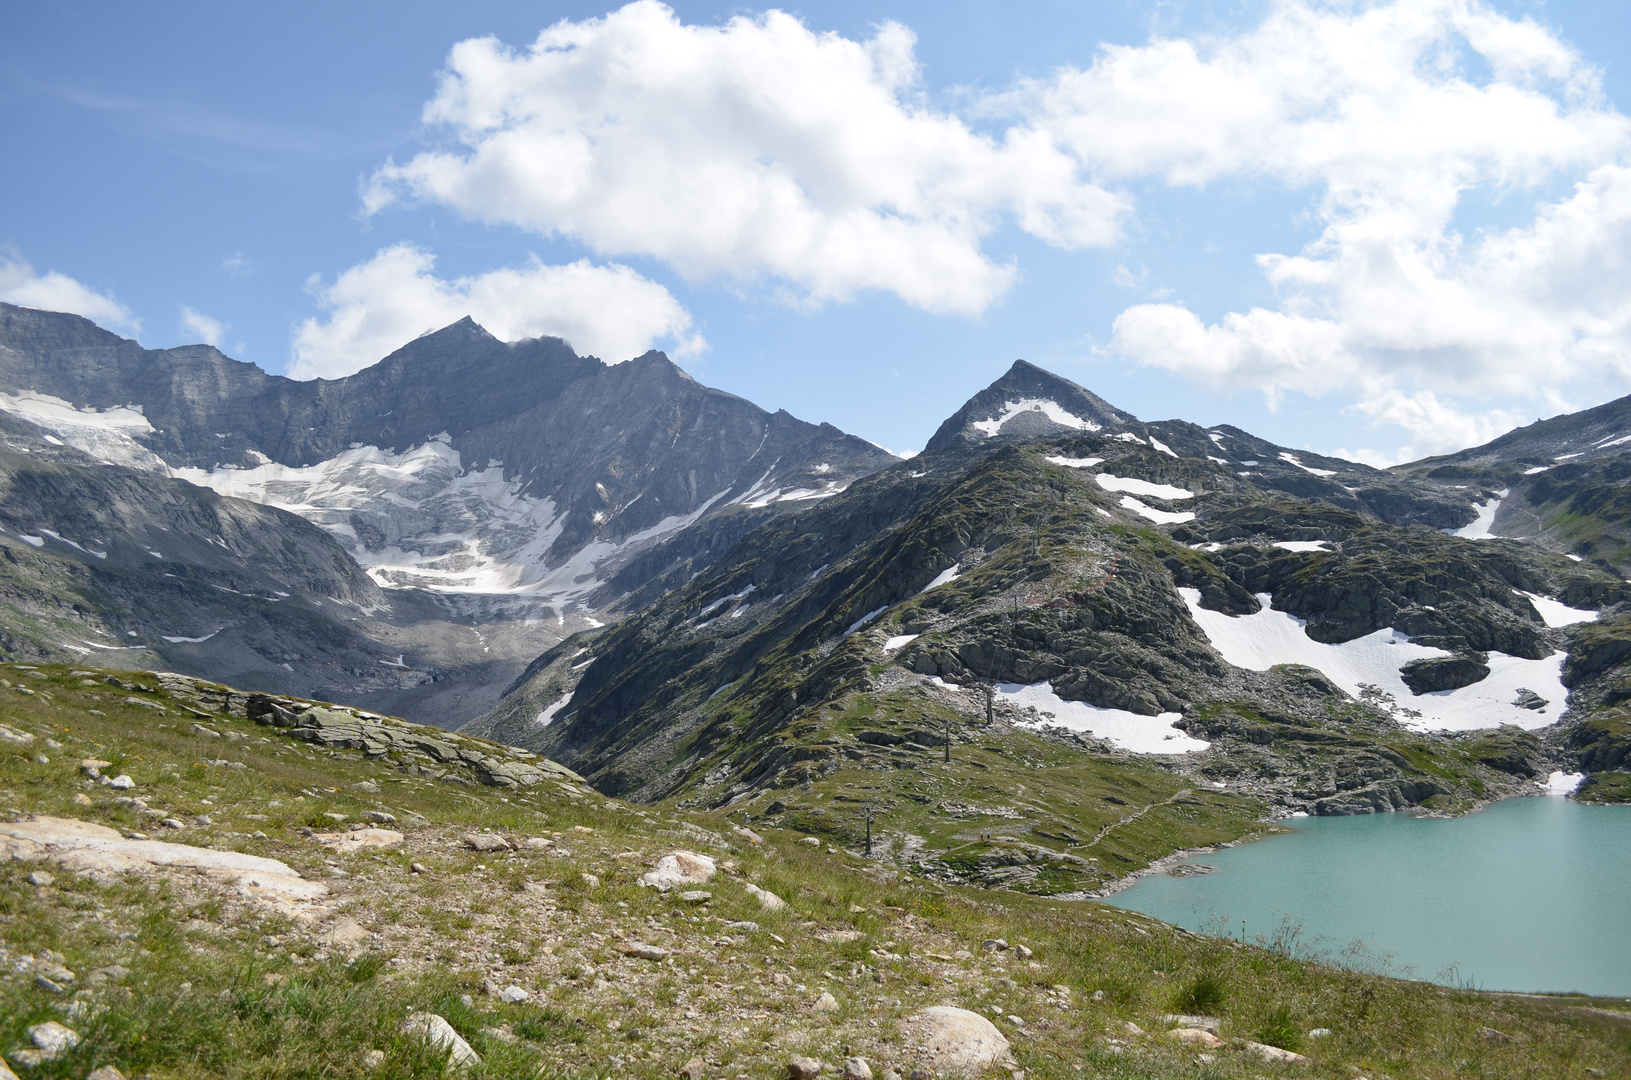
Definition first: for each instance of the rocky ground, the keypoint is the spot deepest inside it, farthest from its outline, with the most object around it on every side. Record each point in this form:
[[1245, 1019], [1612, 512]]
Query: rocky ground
[[326, 893]]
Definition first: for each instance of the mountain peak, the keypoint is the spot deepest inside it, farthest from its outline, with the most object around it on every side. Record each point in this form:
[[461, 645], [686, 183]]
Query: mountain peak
[[1027, 402]]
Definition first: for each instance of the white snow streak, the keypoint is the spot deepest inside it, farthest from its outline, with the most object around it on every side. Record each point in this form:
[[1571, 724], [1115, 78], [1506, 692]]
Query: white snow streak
[[897, 642], [1160, 517], [1075, 462], [945, 577], [1110, 482], [549, 713]]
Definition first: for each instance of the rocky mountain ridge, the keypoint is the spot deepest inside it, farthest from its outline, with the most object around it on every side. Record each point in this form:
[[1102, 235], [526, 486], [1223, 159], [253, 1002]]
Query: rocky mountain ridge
[[1171, 597], [492, 492]]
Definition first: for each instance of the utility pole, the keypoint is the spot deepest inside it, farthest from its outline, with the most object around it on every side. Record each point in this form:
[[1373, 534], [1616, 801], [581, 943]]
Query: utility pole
[[990, 704], [948, 739], [869, 830]]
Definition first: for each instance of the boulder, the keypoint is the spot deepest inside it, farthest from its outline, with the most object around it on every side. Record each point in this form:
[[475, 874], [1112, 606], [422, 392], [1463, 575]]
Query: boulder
[[436, 1031], [857, 1069], [955, 1042], [803, 1068], [101, 853], [767, 899], [678, 869], [1444, 673]]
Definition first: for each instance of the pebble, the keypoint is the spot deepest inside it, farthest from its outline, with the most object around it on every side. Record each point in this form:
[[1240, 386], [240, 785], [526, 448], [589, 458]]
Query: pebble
[[857, 1069], [203, 819], [81, 799], [418, 868], [696, 896], [514, 995], [1024, 953], [695, 1069], [825, 1003], [642, 950], [52, 1038], [591, 880], [994, 945], [803, 1068], [171, 823], [373, 1059], [380, 816], [122, 782], [40, 878]]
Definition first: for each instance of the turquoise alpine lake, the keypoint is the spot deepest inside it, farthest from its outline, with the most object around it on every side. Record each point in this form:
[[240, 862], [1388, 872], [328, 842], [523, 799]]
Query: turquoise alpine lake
[[1528, 894]]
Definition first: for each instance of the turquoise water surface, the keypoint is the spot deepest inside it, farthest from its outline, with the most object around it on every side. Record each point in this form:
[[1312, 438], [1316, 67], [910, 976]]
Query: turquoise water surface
[[1528, 894]]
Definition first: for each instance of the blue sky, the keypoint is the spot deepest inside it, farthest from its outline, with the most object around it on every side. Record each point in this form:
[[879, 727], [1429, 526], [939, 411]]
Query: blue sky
[[1384, 229]]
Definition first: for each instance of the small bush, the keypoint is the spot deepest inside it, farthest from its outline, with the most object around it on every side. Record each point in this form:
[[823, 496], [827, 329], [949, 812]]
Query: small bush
[[1202, 994], [1280, 1029]]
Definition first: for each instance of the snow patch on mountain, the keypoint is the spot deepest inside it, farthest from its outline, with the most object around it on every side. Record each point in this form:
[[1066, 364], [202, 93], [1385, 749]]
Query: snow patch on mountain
[[1127, 730], [1046, 406], [1291, 459], [419, 519], [945, 577], [1557, 613], [1134, 486], [1260, 641], [108, 435], [1479, 527], [1160, 517]]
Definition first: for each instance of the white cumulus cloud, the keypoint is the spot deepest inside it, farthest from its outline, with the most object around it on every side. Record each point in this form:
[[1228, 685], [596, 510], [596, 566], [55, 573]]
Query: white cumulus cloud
[[201, 327], [51, 291], [376, 307], [1392, 115], [758, 149]]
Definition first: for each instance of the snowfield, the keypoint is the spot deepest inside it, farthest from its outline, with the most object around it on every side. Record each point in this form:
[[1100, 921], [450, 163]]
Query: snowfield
[[1046, 406], [1126, 730], [1259, 642], [440, 526], [106, 435]]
